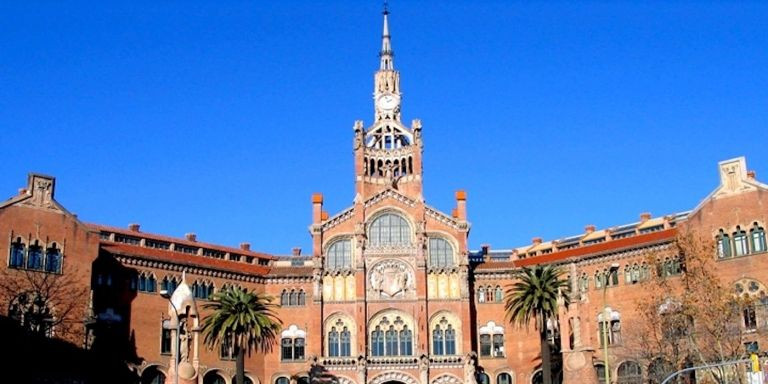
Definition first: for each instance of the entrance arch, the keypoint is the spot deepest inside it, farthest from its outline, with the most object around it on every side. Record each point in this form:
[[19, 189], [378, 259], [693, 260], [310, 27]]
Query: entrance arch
[[393, 378]]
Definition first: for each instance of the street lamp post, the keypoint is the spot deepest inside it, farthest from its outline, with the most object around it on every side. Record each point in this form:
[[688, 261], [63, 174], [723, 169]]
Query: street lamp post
[[607, 323], [164, 293]]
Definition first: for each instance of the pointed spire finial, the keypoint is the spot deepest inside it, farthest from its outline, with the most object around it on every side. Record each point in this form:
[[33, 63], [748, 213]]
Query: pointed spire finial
[[386, 53]]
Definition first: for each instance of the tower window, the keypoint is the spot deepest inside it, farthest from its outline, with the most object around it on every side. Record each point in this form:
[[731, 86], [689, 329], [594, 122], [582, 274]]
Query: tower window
[[389, 229]]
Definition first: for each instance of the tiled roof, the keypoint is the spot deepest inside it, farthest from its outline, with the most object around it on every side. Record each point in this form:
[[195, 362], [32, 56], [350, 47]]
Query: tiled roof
[[583, 251], [177, 240], [183, 258]]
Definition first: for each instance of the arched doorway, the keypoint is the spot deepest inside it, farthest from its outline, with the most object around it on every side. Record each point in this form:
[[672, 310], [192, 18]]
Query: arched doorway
[[152, 375], [213, 377]]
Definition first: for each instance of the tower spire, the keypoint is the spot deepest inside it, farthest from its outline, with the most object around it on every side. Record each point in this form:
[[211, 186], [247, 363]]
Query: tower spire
[[386, 53]]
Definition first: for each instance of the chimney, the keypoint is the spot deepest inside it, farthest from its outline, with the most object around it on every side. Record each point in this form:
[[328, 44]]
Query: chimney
[[296, 251], [454, 213], [536, 240], [22, 191], [485, 248], [751, 175], [589, 228], [317, 208], [245, 246], [190, 236], [645, 216], [461, 205], [134, 227]]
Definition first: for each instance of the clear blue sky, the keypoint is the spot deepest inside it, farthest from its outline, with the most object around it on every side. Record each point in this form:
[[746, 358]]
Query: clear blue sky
[[221, 118]]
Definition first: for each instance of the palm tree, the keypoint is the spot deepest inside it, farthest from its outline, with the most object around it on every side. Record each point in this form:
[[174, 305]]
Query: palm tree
[[245, 320], [534, 298]]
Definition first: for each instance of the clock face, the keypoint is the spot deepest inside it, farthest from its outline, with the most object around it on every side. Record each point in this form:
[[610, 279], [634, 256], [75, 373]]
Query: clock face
[[388, 102]]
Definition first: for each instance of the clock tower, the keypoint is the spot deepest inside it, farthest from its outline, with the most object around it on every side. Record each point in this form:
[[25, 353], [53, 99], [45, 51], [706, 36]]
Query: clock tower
[[387, 153], [390, 272]]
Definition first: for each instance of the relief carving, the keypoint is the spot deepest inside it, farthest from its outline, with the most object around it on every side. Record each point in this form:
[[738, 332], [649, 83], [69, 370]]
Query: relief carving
[[392, 279]]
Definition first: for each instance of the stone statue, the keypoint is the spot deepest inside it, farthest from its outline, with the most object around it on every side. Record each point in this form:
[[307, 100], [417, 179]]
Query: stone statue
[[469, 369], [183, 340]]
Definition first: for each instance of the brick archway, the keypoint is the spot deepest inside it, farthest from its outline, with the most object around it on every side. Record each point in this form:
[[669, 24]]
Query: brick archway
[[393, 376]]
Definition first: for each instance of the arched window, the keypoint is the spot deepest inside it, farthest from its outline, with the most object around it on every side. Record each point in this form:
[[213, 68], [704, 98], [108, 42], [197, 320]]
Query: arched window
[[482, 378], [645, 271], [629, 373], [443, 338], [152, 375], [390, 341], [498, 294], [757, 238], [213, 378], [17, 254], [671, 267], [53, 259], [740, 247], [292, 344], [333, 342], [440, 253], [282, 380], [583, 282], [35, 256], [450, 341], [491, 340], [599, 279], [146, 282], [345, 342], [391, 338], [169, 284], [406, 341], [293, 297], [438, 341], [609, 327], [481, 295], [723, 245], [504, 378], [600, 372], [377, 342], [339, 339], [339, 255], [389, 229], [750, 317]]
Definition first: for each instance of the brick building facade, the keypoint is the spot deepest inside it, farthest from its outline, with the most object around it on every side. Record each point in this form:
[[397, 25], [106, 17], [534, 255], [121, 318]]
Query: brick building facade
[[390, 291]]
